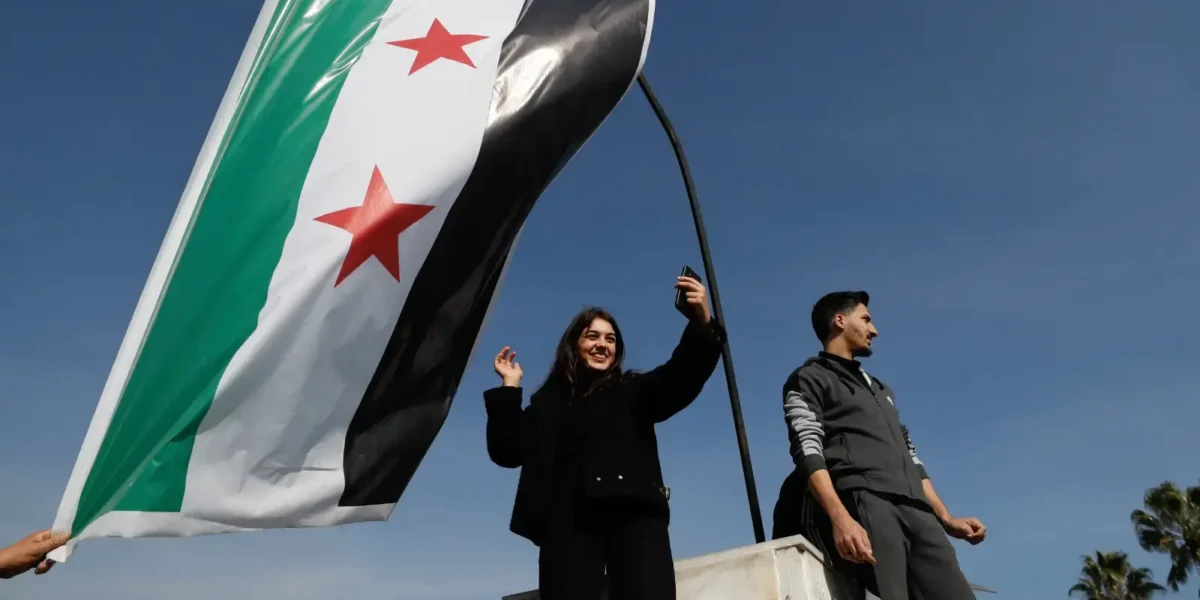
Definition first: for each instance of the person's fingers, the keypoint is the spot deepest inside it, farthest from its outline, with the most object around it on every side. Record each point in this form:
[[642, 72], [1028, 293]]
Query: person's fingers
[[38, 536], [863, 549], [869, 556], [851, 548], [978, 534], [43, 567], [845, 552], [46, 541]]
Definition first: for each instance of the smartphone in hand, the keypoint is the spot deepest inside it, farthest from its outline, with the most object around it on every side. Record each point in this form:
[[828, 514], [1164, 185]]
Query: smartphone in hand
[[681, 304]]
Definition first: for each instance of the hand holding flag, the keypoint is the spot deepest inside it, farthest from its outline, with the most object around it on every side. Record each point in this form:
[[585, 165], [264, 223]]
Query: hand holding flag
[[30, 553]]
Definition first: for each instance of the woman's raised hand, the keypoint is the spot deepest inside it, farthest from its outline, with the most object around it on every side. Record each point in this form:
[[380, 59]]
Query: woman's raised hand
[[697, 299], [507, 367]]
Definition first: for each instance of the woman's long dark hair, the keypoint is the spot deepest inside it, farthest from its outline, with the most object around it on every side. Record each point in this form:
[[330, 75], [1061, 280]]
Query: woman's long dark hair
[[566, 375]]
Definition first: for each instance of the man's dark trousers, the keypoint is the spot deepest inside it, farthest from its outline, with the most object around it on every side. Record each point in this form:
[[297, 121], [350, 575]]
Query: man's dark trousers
[[913, 557]]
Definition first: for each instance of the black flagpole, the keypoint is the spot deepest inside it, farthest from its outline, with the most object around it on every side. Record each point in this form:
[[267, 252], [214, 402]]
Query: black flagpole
[[734, 402]]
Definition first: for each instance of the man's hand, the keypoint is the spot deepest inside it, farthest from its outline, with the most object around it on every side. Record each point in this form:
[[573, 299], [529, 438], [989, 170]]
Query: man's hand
[[30, 553], [970, 529], [852, 541]]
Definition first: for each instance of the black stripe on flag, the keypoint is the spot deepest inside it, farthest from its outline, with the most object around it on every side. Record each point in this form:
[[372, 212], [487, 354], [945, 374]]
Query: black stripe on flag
[[532, 134]]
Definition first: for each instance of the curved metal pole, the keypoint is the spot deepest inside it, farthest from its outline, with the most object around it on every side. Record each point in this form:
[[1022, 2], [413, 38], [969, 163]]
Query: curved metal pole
[[734, 402]]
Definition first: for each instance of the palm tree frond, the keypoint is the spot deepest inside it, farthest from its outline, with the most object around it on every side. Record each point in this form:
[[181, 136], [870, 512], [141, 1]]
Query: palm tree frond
[[1178, 575], [1167, 502], [1171, 525], [1140, 584], [1193, 495], [1110, 576], [1151, 534], [1084, 589]]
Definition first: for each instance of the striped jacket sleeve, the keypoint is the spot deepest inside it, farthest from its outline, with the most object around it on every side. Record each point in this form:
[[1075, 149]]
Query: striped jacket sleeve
[[912, 451], [806, 430]]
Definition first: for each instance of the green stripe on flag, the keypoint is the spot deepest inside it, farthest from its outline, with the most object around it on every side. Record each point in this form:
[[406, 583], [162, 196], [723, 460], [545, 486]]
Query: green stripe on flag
[[212, 301]]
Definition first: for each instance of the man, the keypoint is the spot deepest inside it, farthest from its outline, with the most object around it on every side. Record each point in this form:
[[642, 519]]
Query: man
[[878, 510], [30, 553]]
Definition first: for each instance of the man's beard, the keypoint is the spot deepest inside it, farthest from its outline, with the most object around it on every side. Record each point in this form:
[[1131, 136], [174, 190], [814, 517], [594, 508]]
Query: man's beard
[[862, 352]]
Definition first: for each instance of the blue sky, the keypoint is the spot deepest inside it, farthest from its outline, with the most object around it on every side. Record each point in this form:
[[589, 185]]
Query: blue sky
[[1015, 183]]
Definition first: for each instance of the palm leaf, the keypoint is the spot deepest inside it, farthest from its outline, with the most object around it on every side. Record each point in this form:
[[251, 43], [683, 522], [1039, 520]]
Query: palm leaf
[[1152, 535], [1085, 589], [1140, 585], [1110, 576], [1170, 524]]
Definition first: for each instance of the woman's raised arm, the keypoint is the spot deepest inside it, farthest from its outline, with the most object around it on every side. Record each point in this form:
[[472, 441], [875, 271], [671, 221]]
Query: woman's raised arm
[[507, 424], [673, 386]]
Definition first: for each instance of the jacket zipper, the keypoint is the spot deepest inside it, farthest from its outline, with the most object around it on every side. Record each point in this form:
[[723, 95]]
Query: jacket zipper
[[899, 441], [905, 459]]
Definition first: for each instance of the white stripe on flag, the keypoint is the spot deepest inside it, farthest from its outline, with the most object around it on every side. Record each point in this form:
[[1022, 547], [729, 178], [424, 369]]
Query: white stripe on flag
[[151, 524]]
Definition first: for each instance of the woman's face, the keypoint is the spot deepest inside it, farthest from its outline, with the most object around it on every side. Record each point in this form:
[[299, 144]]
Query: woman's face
[[597, 345]]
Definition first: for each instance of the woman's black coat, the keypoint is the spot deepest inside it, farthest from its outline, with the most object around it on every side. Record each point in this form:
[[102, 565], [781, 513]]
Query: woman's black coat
[[626, 464]]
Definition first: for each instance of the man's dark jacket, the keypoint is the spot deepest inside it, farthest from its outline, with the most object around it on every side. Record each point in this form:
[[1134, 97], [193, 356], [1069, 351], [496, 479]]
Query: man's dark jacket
[[841, 419], [623, 461]]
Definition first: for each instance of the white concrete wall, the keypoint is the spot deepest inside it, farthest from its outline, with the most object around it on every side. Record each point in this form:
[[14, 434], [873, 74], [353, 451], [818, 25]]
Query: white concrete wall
[[787, 569]]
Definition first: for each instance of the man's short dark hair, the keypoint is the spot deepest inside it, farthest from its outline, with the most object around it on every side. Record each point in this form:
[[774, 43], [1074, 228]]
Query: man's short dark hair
[[831, 305]]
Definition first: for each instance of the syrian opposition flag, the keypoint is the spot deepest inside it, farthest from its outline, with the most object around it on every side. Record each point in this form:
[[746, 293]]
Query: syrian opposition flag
[[335, 253]]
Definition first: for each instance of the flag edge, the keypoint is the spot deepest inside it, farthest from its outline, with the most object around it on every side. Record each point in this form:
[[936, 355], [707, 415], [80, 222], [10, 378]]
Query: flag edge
[[159, 277], [144, 524]]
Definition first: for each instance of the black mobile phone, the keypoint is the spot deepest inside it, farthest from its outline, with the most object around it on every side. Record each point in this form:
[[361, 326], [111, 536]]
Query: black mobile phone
[[681, 300]]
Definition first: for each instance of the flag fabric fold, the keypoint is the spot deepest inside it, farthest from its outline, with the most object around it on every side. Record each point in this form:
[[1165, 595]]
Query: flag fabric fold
[[335, 253]]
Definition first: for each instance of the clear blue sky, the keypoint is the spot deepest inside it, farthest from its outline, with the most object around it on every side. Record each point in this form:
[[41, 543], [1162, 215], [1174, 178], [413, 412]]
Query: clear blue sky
[[1016, 183]]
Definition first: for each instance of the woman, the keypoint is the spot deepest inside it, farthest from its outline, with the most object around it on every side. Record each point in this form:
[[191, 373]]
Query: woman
[[591, 492]]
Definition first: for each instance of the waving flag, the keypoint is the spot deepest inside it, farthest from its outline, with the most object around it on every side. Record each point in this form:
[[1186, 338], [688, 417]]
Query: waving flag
[[335, 253]]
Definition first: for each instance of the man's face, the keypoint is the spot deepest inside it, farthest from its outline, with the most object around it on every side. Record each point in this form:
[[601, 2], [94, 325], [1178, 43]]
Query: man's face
[[858, 330]]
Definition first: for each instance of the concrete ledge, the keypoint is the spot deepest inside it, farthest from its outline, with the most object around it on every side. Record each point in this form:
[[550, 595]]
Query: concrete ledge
[[786, 569]]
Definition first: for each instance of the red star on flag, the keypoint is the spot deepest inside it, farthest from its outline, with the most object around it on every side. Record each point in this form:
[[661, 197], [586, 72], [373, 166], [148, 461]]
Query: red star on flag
[[376, 227], [439, 43]]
